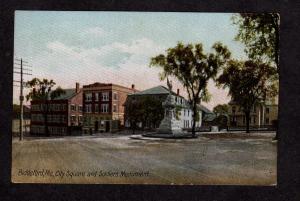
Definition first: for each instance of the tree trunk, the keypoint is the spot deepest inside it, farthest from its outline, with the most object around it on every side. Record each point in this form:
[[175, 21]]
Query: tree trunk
[[247, 115], [194, 119]]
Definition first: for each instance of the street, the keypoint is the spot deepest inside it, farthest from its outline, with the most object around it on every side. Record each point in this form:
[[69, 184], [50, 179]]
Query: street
[[206, 160]]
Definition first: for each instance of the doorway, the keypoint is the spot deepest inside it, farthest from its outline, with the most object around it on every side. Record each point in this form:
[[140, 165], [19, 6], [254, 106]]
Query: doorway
[[96, 126], [107, 126]]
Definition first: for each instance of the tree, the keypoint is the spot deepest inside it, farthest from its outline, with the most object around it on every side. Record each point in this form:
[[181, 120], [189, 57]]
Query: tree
[[221, 109], [143, 109], [193, 68], [132, 112], [260, 34], [153, 111], [222, 117], [42, 90], [249, 83]]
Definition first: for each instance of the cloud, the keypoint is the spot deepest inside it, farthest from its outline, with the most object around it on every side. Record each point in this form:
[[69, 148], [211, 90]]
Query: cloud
[[112, 55], [119, 63]]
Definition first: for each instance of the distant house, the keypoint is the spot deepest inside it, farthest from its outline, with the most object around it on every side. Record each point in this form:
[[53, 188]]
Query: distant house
[[161, 93], [65, 112], [208, 117], [104, 106], [263, 114]]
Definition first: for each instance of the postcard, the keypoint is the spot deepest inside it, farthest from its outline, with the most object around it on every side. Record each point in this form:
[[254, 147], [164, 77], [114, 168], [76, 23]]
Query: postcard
[[181, 98]]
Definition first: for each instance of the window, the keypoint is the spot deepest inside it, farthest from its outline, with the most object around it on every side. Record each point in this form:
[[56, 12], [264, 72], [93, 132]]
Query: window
[[267, 110], [35, 107], [115, 108], [96, 108], [80, 108], [73, 118], [88, 108], [73, 107], [96, 96], [63, 119], [105, 96], [64, 107], [88, 97], [267, 121], [115, 96], [188, 113], [104, 108], [37, 117], [37, 129], [184, 112], [80, 118]]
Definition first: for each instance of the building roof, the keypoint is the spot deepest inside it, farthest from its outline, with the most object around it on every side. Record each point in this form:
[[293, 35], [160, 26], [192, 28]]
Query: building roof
[[100, 84], [155, 91], [204, 109], [164, 90], [209, 117], [69, 94]]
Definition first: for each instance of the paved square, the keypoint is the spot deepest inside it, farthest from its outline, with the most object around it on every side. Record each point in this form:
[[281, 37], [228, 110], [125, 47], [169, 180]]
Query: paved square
[[237, 160]]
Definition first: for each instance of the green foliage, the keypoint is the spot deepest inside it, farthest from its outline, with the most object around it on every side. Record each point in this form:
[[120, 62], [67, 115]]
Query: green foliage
[[260, 34], [221, 109], [221, 120], [42, 89], [193, 68], [249, 83], [144, 109]]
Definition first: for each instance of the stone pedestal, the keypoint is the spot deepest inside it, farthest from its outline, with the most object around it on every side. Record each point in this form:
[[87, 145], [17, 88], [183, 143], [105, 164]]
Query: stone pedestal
[[170, 125]]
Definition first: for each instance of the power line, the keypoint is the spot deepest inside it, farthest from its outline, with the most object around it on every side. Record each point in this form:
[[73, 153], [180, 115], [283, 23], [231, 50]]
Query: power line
[[23, 68]]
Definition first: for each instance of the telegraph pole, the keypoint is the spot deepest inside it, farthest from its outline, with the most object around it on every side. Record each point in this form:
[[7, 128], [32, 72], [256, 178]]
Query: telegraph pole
[[21, 102], [21, 97]]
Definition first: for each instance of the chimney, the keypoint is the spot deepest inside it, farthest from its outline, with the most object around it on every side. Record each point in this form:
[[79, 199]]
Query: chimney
[[132, 86], [177, 92], [77, 87]]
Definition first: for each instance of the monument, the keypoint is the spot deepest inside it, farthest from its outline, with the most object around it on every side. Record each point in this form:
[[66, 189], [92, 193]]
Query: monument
[[170, 125]]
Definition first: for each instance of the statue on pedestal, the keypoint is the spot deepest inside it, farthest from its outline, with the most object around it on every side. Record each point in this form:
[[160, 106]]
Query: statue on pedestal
[[169, 125]]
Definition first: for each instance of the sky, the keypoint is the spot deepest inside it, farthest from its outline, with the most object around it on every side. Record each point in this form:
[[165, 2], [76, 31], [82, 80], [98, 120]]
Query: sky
[[115, 47]]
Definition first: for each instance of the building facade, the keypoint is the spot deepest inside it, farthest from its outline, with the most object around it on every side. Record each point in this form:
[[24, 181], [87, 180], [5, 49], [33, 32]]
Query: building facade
[[104, 107], [185, 113], [64, 112], [264, 114]]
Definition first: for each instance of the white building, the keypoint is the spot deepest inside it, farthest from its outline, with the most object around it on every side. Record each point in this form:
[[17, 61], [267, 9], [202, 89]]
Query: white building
[[185, 115]]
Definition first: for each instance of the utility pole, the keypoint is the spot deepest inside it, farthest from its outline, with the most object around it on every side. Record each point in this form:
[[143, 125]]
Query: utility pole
[[21, 97]]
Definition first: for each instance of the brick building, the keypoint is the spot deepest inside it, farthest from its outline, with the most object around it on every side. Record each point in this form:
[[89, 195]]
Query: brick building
[[64, 113], [103, 106]]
